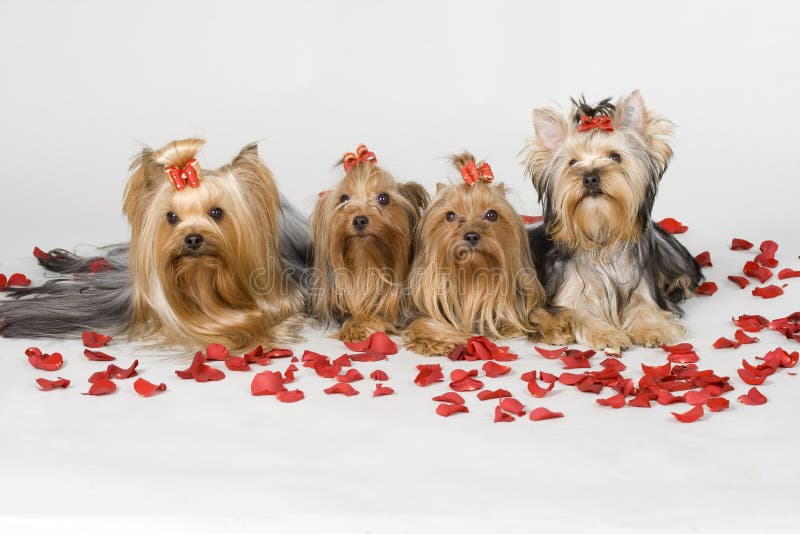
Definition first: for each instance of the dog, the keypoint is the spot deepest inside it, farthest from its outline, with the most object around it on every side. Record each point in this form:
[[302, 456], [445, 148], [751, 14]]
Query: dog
[[203, 264], [598, 251], [363, 244], [473, 273]]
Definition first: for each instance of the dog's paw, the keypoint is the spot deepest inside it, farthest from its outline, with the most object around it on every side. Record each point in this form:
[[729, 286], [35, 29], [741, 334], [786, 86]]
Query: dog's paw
[[601, 340], [429, 347], [664, 333]]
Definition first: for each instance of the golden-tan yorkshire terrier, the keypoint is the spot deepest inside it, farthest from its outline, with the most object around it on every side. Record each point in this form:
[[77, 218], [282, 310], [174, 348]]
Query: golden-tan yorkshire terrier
[[472, 272], [203, 264], [362, 232], [598, 252]]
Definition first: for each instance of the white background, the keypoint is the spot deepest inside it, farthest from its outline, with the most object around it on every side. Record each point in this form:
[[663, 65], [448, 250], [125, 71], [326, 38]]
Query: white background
[[85, 84]]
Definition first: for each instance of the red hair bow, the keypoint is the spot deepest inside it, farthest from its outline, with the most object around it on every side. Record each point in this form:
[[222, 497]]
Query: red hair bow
[[361, 155], [186, 176], [477, 173], [602, 122]]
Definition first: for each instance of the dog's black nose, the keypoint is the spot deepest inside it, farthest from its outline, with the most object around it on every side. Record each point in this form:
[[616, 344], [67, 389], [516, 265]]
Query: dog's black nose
[[193, 241], [591, 181], [472, 238], [360, 222]]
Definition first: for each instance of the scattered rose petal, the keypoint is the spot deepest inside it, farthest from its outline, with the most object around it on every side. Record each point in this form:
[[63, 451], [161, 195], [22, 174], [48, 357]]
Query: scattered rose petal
[[704, 259], [751, 323], [428, 374], [707, 289], [450, 396], [216, 352], [40, 254], [672, 226], [641, 400], [325, 368], [97, 356], [685, 357], [341, 388], [725, 343], [377, 342], [501, 417], [267, 383], [531, 219], [237, 363], [310, 356], [613, 364], [512, 405], [279, 353], [679, 348], [466, 384], [350, 376], [741, 281], [551, 354], [696, 397], [381, 390], [147, 389], [343, 360], [547, 377], [740, 244], [494, 369], [665, 397], [744, 339], [3, 282], [540, 414], [656, 371], [754, 270], [496, 394], [615, 401], [753, 398], [44, 362], [691, 416], [767, 256], [367, 357], [788, 273], [114, 371], [18, 280], [49, 385], [288, 396], [200, 371], [446, 410], [750, 378], [379, 375], [93, 340], [103, 386], [768, 292], [537, 391], [575, 363], [717, 404]]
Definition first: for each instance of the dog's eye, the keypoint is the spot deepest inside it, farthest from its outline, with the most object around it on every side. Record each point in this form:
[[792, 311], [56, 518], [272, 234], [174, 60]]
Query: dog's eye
[[172, 218], [343, 199], [216, 213], [450, 216], [615, 157], [383, 199], [491, 216], [572, 162]]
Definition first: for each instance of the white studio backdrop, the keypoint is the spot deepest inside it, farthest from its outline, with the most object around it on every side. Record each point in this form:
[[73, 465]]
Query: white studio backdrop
[[86, 83]]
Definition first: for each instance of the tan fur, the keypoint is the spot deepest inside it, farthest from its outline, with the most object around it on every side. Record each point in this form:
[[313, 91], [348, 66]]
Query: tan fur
[[359, 278], [233, 290], [490, 289]]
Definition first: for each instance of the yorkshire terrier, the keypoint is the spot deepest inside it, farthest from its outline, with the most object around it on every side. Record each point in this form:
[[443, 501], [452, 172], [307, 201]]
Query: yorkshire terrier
[[362, 232], [472, 273], [203, 263], [598, 252]]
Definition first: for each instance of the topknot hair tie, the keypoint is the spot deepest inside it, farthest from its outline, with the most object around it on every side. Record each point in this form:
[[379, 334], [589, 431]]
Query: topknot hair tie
[[188, 175], [361, 155], [473, 173]]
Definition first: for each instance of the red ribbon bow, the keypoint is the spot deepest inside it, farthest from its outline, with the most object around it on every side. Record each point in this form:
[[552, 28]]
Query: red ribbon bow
[[186, 176], [361, 155], [602, 122], [477, 173]]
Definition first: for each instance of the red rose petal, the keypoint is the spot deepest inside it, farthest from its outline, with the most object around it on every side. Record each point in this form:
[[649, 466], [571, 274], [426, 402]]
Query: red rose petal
[[379, 375], [267, 383], [367, 357], [3, 282], [641, 400], [496, 394], [97, 356], [310, 356], [103, 386], [753, 398], [117, 372], [237, 363], [704, 259], [540, 414], [615, 401], [501, 417], [686, 357], [613, 364], [93, 340], [428, 374], [49, 385], [657, 371], [40, 254], [754, 270], [571, 379], [350, 376], [767, 256], [341, 388], [493, 369], [200, 371], [672, 226], [288, 396], [707, 289], [531, 219], [741, 281], [717, 404], [279, 353], [343, 360], [446, 410], [147, 389], [751, 323], [537, 391], [679, 348], [378, 342], [325, 368], [512, 405], [547, 377], [691, 416], [381, 390], [575, 363], [750, 378], [725, 343], [696, 397], [740, 244], [788, 273], [744, 339], [551, 354], [216, 352], [45, 362], [450, 396], [768, 292], [466, 384], [18, 280], [665, 397]]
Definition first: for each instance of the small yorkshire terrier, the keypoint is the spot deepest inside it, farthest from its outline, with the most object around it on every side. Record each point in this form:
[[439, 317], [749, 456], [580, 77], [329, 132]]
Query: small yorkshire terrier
[[362, 232], [203, 264], [598, 252], [472, 273]]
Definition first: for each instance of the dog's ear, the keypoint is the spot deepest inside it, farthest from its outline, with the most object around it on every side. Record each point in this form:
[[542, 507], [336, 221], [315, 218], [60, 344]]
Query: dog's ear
[[655, 130], [550, 128], [415, 194], [632, 113], [440, 186], [501, 189]]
